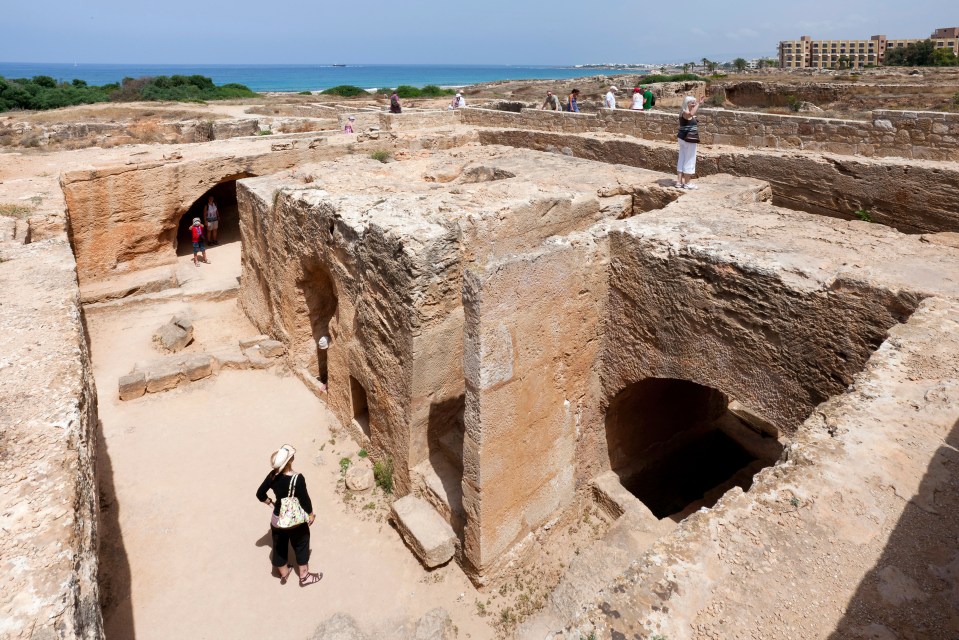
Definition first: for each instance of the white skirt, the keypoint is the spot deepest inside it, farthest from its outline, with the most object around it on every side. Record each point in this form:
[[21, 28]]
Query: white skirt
[[687, 157]]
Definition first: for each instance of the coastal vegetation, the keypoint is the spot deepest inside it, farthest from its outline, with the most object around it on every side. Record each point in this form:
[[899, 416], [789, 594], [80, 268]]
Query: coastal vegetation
[[345, 91], [44, 92]]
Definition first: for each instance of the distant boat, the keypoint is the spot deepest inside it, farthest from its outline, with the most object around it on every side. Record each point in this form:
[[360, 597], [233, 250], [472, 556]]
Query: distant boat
[[339, 65]]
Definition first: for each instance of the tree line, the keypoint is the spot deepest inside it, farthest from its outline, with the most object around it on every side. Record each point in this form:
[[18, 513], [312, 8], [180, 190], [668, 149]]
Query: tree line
[[44, 92]]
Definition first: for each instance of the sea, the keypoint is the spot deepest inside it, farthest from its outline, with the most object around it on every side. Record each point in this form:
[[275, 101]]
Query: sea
[[303, 77]]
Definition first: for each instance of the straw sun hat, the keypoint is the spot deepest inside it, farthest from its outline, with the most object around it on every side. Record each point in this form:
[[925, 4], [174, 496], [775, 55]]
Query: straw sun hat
[[282, 456]]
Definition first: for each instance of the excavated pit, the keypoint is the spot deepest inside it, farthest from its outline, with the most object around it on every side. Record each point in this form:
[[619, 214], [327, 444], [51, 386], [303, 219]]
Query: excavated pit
[[677, 447]]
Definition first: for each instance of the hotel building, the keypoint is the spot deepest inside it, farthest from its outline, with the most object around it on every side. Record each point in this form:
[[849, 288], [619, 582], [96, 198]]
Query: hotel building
[[855, 54]]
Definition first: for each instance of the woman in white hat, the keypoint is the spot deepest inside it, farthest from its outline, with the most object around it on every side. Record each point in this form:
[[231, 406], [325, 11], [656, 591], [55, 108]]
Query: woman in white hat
[[292, 516]]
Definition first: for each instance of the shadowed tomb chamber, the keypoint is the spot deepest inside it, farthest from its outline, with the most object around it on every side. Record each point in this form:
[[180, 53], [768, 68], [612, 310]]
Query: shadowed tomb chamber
[[676, 445]]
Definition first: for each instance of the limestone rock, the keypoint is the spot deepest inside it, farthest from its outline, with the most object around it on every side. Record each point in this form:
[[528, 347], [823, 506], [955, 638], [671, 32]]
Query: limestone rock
[[246, 343], [162, 376], [359, 477], [174, 335], [133, 385], [231, 359], [429, 536], [339, 627], [272, 348], [198, 366], [435, 624]]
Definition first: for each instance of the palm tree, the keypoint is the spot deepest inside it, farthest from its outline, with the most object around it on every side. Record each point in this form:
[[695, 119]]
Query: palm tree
[[685, 67], [705, 62]]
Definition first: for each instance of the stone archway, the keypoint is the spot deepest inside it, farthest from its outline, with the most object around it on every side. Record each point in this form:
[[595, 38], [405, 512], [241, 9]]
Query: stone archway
[[224, 195]]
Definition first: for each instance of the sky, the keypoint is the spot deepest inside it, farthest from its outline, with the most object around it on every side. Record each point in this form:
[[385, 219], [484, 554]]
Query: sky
[[559, 32]]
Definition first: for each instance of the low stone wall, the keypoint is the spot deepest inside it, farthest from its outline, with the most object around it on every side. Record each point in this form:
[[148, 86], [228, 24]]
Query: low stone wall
[[48, 424], [534, 119], [910, 134]]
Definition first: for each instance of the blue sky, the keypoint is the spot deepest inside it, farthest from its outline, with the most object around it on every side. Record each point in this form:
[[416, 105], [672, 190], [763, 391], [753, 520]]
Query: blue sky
[[430, 31]]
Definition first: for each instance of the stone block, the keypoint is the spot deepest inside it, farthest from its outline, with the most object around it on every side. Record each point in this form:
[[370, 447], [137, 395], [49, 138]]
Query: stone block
[[133, 385], [435, 624], [339, 627], [256, 359], [198, 366], [272, 348], [429, 536], [162, 376], [231, 359], [359, 477], [246, 343], [172, 337]]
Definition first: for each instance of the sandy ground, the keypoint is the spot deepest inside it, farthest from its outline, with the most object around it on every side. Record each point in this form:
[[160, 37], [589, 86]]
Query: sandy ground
[[184, 543]]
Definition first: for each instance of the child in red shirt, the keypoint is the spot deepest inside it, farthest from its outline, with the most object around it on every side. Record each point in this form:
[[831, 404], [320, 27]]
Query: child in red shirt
[[196, 232]]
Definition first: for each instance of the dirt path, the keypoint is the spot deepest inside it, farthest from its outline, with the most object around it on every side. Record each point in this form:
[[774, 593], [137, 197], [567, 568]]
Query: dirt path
[[184, 543]]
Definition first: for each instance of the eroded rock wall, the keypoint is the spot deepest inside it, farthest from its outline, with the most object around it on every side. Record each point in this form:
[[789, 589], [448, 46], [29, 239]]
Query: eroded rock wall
[[48, 427], [393, 306], [124, 219]]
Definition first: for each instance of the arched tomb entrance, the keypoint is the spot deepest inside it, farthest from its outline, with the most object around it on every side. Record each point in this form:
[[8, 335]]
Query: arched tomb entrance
[[224, 195], [677, 446]]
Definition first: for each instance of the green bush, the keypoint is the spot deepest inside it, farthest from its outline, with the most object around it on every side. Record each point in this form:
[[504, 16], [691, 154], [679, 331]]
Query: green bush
[[863, 214], [43, 92], [676, 77], [382, 155], [383, 475], [406, 91], [345, 91], [304, 93]]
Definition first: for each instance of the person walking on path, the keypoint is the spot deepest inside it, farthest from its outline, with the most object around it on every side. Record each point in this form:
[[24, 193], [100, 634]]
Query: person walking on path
[[291, 497], [212, 215], [610, 101], [573, 105], [395, 103], [348, 127], [688, 140], [196, 233], [552, 102], [637, 100], [648, 100]]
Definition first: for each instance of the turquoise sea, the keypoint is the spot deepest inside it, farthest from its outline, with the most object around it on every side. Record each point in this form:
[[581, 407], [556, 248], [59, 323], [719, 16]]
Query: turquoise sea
[[300, 77]]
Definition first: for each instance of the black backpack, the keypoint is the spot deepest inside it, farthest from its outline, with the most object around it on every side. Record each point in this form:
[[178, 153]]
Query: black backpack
[[652, 100]]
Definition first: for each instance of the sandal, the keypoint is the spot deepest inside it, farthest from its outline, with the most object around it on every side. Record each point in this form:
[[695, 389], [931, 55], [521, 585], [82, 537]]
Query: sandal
[[283, 578], [311, 578]]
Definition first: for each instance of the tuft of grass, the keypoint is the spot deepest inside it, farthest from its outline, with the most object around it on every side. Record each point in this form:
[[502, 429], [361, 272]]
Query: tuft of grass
[[345, 91], [863, 214], [362, 453], [344, 465], [263, 132], [15, 210], [793, 102], [955, 100], [383, 475], [382, 155]]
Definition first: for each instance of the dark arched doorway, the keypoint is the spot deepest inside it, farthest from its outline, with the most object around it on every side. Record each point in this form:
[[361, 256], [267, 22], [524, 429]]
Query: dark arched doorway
[[319, 300], [224, 195], [677, 447]]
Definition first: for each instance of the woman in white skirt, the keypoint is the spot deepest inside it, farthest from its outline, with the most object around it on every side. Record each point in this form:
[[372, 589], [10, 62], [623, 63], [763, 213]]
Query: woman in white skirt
[[688, 139]]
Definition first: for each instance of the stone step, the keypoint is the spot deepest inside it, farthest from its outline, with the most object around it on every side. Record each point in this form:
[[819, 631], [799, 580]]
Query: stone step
[[425, 532]]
